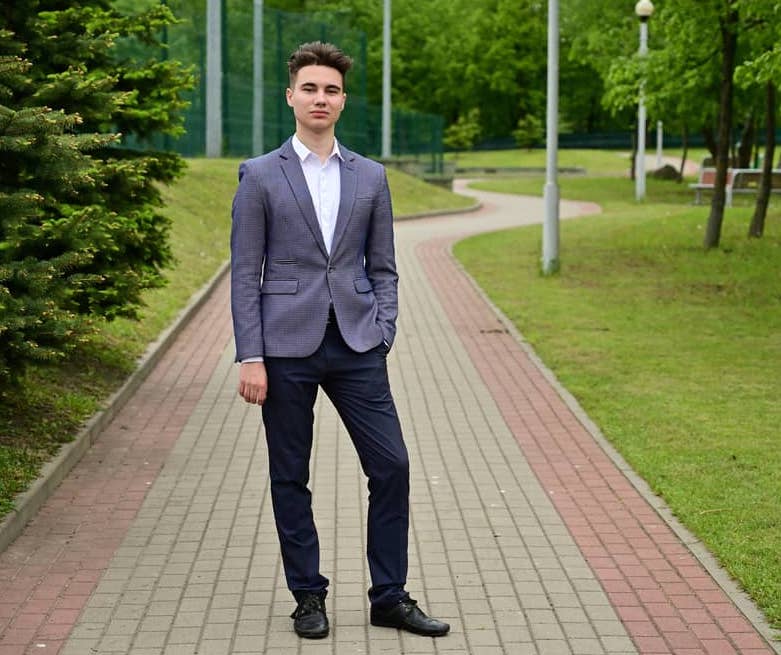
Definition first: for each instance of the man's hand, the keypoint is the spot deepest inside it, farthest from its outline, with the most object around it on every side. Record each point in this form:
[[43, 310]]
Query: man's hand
[[253, 383]]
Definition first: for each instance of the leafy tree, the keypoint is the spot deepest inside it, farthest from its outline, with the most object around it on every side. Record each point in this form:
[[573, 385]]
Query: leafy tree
[[450, 56], [762, 69], [529, 132], [463, 134], [689, 73]]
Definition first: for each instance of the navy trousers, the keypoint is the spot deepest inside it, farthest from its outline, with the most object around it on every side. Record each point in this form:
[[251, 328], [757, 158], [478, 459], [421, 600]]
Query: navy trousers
[[357, 384]]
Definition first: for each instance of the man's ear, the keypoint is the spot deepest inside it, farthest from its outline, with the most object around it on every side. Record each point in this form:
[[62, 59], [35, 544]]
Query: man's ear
[[344, 100], [288, 95]]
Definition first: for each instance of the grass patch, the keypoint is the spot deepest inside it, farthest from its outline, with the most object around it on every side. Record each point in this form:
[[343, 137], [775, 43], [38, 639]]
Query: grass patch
[[595, 162], [595, 189], [672, 350], [51, 404], [617, 192], [411, 195]]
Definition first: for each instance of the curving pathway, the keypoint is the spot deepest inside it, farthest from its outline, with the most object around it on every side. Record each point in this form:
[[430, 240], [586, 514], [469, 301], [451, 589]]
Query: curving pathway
[[528, 534]]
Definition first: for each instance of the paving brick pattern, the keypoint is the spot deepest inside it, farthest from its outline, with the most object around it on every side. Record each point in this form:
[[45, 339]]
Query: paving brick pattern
[[174, 550], [49, 572], [664, 597], [199, 570]]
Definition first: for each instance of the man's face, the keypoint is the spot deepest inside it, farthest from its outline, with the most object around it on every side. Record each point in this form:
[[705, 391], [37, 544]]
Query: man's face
[[317, 98]]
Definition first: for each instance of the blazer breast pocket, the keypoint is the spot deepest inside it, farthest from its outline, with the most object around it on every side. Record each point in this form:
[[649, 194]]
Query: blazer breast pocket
[[279, 286]]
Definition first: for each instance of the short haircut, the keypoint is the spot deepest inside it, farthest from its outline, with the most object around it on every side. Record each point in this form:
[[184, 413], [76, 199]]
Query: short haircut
[[318, 53]]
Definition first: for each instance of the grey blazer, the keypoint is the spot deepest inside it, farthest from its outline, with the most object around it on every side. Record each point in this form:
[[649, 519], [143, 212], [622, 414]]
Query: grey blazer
[[282, 279]]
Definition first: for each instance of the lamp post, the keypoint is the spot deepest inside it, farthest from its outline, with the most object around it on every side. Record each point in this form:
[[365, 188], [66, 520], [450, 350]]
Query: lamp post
[[258, 91], [550, 227], [386, 80], [213, 78], [643, 9]]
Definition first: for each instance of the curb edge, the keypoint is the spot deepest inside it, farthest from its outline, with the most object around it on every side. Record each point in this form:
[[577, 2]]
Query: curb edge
[[27, 504]]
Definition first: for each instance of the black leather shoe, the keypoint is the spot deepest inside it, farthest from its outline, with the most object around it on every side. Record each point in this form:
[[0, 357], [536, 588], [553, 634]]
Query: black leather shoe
[[406, 615], [310, 621]]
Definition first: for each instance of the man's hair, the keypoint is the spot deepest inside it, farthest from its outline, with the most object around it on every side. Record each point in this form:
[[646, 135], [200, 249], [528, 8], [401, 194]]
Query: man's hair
[[318, 53]]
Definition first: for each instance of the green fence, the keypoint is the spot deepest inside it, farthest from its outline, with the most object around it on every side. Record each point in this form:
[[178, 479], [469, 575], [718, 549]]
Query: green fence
[[360, 126]]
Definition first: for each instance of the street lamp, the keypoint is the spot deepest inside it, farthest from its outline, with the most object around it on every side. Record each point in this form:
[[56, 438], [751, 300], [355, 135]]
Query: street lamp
[[643, 9], [386, 80], [258, 81], [550, 227], [213, 78]]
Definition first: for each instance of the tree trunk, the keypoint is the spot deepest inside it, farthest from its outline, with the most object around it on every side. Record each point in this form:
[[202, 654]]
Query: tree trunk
[[747, 138], [757, 226], [633, 156], [729, 40], [710, 140], [685, 144]]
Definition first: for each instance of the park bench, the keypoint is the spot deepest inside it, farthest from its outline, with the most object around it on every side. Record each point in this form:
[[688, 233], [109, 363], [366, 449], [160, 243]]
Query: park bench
[[705, 182], [746, 180], [739, 180]]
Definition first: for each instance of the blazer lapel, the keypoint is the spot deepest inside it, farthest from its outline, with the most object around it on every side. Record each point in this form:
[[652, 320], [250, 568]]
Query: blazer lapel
[[348, 185], [291, 167]]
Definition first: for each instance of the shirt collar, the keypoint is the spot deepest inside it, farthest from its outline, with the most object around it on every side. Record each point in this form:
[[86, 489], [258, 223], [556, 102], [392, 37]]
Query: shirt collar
[[303, 152]]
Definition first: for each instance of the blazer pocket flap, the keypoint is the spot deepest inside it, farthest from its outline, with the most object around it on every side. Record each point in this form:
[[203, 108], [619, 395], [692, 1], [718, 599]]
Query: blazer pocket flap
[[279, 286], [363, 285]]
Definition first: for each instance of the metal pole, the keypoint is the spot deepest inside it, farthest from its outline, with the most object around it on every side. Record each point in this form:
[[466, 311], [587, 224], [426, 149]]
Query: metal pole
[[550, 229], [386, 80], [213, 79], [257, 77], [641, 120], [659, 141]]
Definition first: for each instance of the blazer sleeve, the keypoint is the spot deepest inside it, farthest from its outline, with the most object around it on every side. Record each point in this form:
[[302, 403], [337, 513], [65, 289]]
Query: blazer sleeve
[[381, 261], [248, 248]]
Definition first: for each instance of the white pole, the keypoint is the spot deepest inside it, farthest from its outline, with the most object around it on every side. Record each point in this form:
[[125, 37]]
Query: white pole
[[257, 77], [386, 80], [550, 229], [641, 120], [213, 79], [659, 142]]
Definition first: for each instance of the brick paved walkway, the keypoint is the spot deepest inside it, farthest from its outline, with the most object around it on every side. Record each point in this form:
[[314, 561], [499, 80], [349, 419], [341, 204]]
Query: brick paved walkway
[[525, 533]]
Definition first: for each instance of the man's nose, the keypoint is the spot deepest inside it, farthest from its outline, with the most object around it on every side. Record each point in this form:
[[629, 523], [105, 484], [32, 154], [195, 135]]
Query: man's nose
[[320, 97]]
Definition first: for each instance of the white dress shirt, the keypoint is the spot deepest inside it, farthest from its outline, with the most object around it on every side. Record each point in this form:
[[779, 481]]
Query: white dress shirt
[[323, 181]]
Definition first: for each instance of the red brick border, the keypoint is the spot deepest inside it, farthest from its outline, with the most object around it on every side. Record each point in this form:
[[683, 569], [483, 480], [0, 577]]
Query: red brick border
[[49, 572], [666, 599]]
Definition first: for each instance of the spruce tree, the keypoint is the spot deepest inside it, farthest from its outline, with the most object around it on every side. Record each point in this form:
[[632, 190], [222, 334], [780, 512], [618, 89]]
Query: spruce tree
[[41, 252], [108, 70], [81, 228]]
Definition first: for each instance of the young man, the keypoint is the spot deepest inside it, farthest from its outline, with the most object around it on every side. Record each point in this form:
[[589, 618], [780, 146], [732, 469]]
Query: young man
[[314, 301]]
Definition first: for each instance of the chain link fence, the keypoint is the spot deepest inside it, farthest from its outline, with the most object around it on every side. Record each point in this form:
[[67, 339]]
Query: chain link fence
[[360, 127]]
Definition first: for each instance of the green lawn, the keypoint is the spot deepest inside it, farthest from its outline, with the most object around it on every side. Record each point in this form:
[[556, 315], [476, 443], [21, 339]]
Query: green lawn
[[675, 352], [595, 162], [52, 403]]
